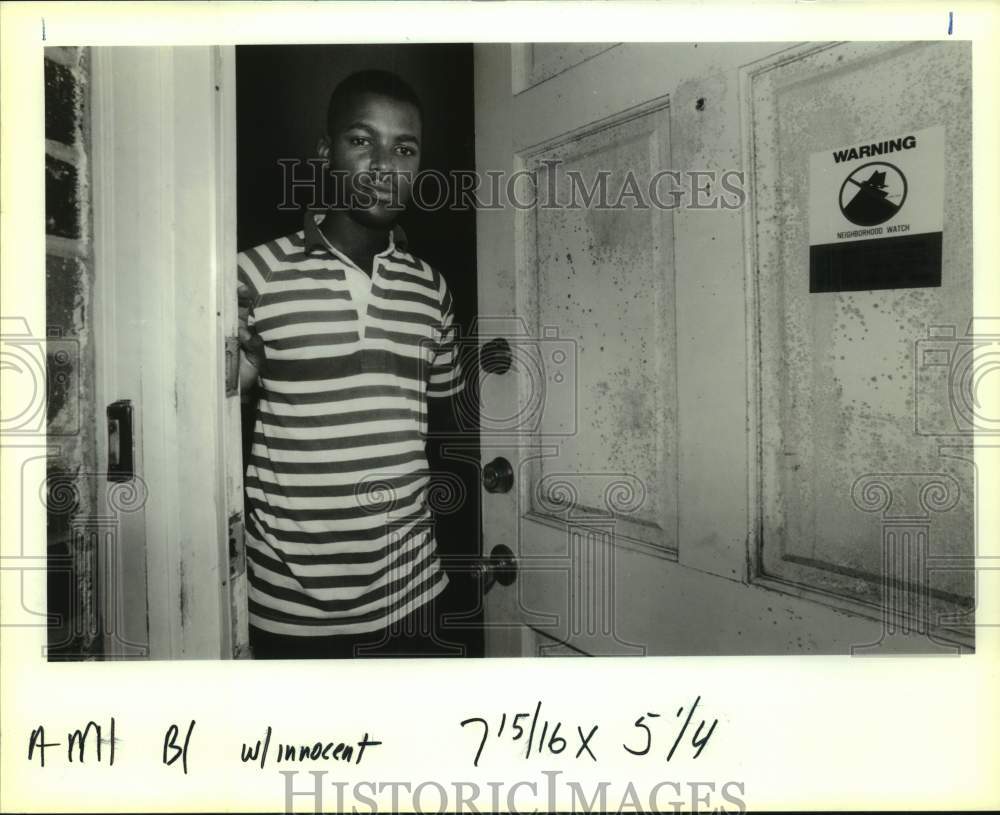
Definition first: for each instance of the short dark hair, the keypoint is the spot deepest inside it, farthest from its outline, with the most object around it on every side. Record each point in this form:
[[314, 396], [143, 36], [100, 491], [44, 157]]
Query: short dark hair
[[383, 83]]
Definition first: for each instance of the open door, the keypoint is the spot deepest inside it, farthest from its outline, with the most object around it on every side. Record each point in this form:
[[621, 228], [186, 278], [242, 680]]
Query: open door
[[173, 571], [677, 453]]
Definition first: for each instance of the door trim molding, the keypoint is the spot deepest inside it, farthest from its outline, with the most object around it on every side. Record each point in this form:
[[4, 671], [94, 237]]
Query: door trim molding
[[755, 507], [621, 117], [164, 212], [521, 65]]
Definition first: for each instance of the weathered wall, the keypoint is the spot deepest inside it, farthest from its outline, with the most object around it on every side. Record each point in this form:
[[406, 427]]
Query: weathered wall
[[71, 420]]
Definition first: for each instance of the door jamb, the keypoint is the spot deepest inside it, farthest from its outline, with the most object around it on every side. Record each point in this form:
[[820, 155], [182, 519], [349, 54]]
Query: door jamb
[[163, 153]]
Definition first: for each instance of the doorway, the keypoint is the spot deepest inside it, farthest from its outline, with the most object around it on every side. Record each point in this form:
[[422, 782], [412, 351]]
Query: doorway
[[281, 101]]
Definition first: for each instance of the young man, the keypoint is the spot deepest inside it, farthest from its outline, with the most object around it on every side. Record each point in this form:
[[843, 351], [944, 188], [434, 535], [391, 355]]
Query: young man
[[347, 335]]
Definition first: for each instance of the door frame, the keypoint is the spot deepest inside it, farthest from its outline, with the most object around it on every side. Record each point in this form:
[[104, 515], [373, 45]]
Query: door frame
[[163, 147]]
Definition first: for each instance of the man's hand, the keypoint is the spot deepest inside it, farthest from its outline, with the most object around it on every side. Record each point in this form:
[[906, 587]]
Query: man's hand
[[252, 346]]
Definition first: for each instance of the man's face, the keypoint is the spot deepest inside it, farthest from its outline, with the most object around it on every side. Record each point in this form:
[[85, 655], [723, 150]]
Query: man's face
[[375, 147]]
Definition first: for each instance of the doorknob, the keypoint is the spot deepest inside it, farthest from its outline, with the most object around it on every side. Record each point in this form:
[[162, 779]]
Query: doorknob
[[494, 357], [500, 567], [498, 475]]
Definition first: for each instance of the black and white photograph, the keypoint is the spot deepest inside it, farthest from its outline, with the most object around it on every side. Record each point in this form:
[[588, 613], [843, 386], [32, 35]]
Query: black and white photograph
[[368, 368], [540, 349]]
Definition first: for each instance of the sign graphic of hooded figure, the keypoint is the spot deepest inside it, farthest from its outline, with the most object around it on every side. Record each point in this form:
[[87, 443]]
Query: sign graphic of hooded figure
[[875, 199]]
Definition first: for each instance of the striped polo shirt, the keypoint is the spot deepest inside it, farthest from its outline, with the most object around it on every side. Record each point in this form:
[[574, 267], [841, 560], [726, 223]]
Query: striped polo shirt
[[339, 536]]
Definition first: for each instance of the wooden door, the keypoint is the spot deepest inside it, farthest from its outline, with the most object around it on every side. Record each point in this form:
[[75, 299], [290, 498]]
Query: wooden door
[[646, 511]]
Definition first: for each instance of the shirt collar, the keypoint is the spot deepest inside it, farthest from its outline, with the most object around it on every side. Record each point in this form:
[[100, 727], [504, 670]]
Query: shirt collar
[[314, 241]]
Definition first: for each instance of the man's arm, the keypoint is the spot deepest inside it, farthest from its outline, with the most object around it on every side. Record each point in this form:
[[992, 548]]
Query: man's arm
[[446, 379]]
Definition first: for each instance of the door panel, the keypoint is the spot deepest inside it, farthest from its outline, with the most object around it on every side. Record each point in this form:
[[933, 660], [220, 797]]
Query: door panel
[[603, 281], [534, 62], [636, 504], [848, 478]]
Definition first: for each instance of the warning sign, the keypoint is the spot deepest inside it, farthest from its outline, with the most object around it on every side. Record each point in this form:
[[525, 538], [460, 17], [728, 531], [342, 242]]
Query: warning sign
[[876, 213]]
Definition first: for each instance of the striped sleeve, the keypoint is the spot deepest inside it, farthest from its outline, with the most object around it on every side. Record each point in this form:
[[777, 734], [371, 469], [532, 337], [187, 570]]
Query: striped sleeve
[[253, 272], [446, 377]]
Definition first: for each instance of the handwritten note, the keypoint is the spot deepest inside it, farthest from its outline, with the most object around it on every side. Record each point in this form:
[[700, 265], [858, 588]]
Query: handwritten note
[[580, 739], [88, 745], [653, 732]]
